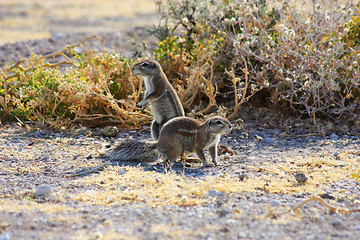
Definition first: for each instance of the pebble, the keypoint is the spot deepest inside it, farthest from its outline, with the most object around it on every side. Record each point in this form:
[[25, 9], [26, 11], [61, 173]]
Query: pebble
[[223, 212], [242, 235], [42, 191], [336, 222], [59, 135], [268, 140], [275, 203], [190, 214], [334, 136], [137, 212], [38, 134], [327, 196], [45, 156], [6, 236], [109, 131], [242, 176], [212, 193], [301, 177], [122, 172]]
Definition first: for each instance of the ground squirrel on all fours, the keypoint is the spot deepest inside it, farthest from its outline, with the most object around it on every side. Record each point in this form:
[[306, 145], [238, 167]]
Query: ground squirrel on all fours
[[180, 135], [160, 94]]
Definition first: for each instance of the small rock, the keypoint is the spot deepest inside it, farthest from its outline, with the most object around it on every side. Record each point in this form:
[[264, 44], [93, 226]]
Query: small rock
[[334, 136], [242, 235], [268, 140], [122, 172], [6, 236], [336, 155], [191, 214], [38, 134], [137, 212], [327, 196], [301, 178], [212, 193], [242, 176], [42, 191], [275, 203], [59, 135], [223, 212], [336, 222], [45, 156], [109, 131]]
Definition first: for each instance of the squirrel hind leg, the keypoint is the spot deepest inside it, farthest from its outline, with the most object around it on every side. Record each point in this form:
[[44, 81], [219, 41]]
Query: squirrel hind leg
[[170, 150]]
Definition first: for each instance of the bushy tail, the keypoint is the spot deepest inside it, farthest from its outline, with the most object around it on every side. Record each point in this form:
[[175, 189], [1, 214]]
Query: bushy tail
[[131, 151]]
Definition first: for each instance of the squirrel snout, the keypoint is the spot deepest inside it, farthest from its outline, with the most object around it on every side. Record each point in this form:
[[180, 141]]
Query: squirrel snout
[[230, 129]]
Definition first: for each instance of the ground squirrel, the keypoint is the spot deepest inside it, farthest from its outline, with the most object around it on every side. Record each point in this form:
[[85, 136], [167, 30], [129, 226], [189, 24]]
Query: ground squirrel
[[180, 135], [160, 94]]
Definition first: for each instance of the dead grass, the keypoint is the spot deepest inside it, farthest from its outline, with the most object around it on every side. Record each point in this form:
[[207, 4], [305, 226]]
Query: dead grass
[[16, 206], [157, 189]]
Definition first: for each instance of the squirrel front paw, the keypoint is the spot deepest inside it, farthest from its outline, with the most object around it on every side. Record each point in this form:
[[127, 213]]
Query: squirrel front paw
[[142, 105]]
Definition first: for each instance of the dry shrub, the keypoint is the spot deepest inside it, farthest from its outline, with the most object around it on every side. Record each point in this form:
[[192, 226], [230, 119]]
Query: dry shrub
[[308, 60], [96, 89], [217, 54]]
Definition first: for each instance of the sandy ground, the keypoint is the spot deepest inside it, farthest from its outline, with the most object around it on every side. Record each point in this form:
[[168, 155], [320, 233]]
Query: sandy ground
[[278, 164]]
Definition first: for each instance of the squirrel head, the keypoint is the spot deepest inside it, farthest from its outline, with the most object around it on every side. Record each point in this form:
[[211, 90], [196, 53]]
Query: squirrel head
[[146, 67], [218, 125]]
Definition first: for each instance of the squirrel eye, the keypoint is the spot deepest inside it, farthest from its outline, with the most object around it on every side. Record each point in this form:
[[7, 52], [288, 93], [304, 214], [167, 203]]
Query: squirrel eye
[[144, 64], [218, 122]]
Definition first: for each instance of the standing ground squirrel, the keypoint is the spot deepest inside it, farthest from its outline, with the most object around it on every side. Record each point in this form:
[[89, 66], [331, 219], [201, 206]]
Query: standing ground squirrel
[[180, 135], [160, 94]]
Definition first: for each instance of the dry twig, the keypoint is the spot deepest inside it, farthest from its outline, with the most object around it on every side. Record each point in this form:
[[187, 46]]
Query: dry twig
[[296, 209]]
